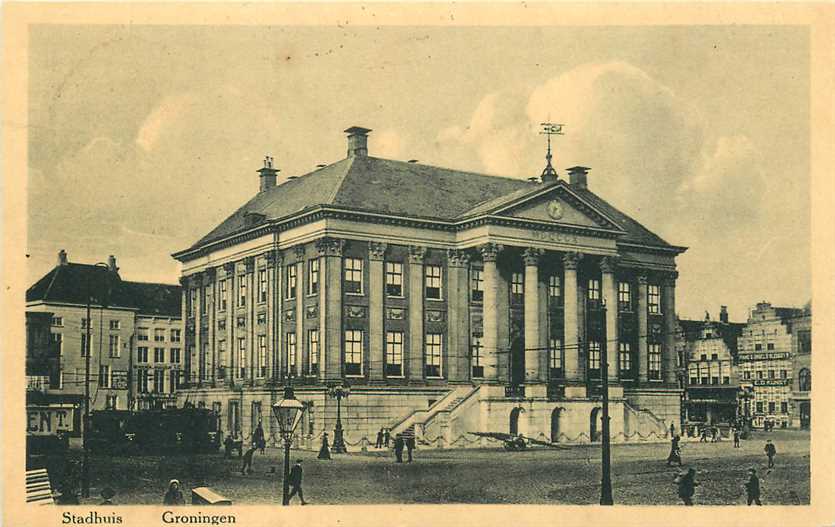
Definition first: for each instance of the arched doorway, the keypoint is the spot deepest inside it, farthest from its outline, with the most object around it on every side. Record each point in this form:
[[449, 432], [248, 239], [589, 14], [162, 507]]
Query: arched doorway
[[555, 424], [595, 424], [515, 429], [517, 361]]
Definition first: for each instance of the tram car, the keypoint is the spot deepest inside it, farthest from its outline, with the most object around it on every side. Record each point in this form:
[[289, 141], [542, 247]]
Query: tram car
[[155, 431]]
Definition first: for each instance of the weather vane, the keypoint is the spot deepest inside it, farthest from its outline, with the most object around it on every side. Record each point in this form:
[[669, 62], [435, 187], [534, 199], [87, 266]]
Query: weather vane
[[549, 129]]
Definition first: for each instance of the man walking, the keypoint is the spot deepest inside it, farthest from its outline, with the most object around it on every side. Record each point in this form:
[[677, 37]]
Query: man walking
[[386, 437], [736, 437], [247, 466], [687, 485], [770, 451], [752, 487], [379, 443], [675, 452], [296, 482], [410, 445], [398, 448]]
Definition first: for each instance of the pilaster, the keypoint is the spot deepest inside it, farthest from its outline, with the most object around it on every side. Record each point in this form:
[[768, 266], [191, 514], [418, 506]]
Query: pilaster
[[376, 295], [457, 366], [415, 360], [643, 330], [330, 251]]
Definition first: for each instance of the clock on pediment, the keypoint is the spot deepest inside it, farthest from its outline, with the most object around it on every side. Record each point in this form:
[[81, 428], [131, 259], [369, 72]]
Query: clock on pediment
[[555, 209]]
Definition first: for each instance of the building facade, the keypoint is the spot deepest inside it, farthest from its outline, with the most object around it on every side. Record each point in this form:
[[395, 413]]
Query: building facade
[[766, 362], [450, 302], [801, 398], [121, 312]]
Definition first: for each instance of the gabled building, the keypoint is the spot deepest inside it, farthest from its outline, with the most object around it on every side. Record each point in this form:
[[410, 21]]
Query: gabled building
[[127, 370], [449, 301]]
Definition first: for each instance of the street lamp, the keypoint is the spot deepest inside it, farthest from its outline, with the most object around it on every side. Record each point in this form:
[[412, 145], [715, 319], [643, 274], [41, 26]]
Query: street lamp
[[85, 466], [606, 457], [288, 413], [338, 392]]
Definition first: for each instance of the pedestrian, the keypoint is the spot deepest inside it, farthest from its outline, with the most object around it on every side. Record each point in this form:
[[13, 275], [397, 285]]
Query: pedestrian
[[247, 466], [716, 434], [174, 496], [736, 437], [379, 443], [227, 447], [325, 451], [752, 487], [770, 451], [687, 485], [410, 445], [258, 437], [398, 448], [672, 430], [386, 437], [703, 438], [296, 482], [675, 451]]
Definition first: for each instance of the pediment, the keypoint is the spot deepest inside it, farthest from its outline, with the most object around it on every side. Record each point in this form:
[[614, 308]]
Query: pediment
[[557, 205]]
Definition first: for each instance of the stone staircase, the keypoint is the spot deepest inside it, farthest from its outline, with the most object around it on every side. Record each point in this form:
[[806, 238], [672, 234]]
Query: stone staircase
[[642, 422], [414, 423]]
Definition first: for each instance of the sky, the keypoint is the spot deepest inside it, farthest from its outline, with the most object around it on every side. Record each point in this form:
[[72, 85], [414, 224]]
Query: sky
[[143, 138]]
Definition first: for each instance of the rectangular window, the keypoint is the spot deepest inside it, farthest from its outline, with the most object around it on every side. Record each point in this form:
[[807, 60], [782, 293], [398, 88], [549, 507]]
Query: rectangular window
[[654, 353], [175, 355], [758, 347], [58, 340], [203, 302], [770, 374], [555, 357], [141, 354], [115, 324], [192, 301], [242, 357], [760, 407], [704, 380], [517, 284], [159, 354], [175, 335], [784, 407], [772, 406], [477, 351], [353, 275], [654, 299], [221, 293], [262, 355], [554, 286], [313, 276], [594, 290], [394, 279], [394, 354], [770, 346], [115, 346], [625, 359], [726, 380], [594, 356], [759, 374], [714, 356], [433, 351], [159, 335], [624, 296], [476, 285], [262, 286], [290, 281], [290, 346], [141, 333], [746, 375], [353, 352], [104, 376], [85, 345], [313, 350], [433, 281], [221, 354], [714, 380], [784, 374], [241, 290], [159, 381], [59, 321]]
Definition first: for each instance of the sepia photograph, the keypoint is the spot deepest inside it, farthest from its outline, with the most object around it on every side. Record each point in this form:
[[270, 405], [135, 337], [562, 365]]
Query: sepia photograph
[[343, 260]]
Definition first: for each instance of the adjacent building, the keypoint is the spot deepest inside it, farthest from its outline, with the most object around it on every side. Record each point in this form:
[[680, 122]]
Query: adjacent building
[[449, 301], [132, 334], [801, 398], [766, 363]]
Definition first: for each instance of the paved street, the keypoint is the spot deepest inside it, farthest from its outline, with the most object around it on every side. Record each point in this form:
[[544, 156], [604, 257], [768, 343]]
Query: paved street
[[489, 475]]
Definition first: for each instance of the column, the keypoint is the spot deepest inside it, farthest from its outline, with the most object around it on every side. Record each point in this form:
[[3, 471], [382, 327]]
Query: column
[[229, 269], [195, 373], [458, 327], [571, 339], [273, 312], [301, 292], [643, 330], [489, 252], [610, 295], [251, 297], [376, 293], [330, 251], [415, 361], [533, 374], [209, 283], [668, 365]]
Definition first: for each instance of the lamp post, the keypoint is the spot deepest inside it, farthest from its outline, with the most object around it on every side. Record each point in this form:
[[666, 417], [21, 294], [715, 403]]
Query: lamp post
[[338, 392], [606, 461], [288, 412], [85, 465]]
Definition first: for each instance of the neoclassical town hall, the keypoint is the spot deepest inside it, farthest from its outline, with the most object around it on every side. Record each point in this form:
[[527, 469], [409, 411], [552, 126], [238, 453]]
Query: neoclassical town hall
[[450, 302]]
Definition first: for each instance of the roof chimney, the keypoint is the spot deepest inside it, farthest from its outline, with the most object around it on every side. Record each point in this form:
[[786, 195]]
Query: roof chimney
[[62, 257], [579, 177], [268, 174], [357, 141], [111, 263]]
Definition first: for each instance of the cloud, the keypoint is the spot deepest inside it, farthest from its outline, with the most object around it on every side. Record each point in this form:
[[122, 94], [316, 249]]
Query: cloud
[[166, 113]]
